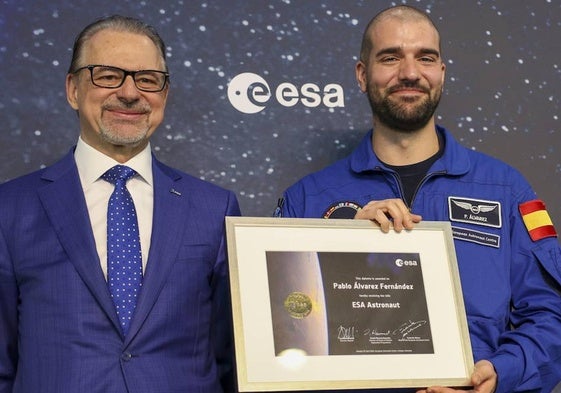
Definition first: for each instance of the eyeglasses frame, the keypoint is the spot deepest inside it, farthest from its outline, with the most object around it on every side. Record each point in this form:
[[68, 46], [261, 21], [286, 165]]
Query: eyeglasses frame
[[91, 67]]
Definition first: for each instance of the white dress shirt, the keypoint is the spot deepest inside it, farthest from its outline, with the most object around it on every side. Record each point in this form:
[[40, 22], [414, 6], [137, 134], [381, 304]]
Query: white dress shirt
[[91, 165]]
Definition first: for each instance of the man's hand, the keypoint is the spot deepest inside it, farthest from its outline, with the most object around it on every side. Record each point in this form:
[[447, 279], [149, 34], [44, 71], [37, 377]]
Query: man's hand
[[389, 211], [483, 378]]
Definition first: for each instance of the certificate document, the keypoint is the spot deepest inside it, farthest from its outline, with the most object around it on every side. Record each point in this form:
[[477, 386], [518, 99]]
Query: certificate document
[[371, 303], [338, 304]]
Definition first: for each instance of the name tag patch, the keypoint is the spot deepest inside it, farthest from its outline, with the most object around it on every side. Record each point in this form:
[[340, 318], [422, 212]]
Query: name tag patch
[[468, 235], [475, 211]]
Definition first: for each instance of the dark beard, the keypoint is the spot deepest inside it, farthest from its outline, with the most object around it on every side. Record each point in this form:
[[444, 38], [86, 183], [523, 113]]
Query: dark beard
[[396, 117]]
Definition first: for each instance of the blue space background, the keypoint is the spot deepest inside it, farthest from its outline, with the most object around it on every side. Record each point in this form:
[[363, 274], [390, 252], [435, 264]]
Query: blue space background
[[502, 92]]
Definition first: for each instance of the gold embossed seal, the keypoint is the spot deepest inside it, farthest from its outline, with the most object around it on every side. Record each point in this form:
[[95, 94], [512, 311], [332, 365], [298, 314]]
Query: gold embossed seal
[[298, 305]]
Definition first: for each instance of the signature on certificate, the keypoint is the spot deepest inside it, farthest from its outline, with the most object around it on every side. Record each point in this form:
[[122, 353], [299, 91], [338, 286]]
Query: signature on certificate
[[407, 327], [375, 332], [346, 333]]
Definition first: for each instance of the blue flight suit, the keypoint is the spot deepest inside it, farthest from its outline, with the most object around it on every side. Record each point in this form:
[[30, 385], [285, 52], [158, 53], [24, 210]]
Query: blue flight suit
[[511, 282]]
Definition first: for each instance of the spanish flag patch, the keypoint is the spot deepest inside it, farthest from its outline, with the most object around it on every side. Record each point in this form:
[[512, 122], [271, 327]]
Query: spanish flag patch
[[537, 220]]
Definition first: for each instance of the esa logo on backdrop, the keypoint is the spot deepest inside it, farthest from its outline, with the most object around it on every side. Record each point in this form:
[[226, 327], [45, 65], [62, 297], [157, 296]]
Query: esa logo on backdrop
[[250, 93]]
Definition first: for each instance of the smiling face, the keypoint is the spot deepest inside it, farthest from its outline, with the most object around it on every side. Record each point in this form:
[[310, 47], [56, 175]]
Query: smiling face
[[402, 73], [118, 122]]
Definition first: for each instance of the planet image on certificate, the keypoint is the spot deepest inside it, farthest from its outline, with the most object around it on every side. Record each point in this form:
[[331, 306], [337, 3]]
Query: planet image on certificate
[[297, 303]]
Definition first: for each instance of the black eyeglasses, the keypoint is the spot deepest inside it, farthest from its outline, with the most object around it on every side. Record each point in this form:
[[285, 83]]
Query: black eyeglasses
[[113, 77]]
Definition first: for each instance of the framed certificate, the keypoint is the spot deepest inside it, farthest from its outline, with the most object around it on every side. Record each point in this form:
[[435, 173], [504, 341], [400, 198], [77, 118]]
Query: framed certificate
[[338, 304]]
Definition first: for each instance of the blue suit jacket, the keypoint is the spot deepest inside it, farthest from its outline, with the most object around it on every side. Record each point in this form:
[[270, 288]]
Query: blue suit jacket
[[58, 326]]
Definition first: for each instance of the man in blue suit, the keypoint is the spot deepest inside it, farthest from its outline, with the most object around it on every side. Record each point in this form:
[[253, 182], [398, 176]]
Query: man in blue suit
[[59, 326]]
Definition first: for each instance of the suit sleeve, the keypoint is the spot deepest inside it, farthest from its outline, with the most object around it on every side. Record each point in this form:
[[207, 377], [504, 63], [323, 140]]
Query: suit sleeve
[[222, 314], [290, 205], [533, 347], [8, 318]]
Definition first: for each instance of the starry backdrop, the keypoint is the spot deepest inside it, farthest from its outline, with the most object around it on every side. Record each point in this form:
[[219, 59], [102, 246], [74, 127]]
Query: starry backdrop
[[502, 92]]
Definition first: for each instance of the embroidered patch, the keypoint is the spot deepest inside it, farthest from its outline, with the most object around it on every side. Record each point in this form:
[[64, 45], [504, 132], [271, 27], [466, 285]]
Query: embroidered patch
[[469, 235], [342, 210], [537, 220], [475, 211]]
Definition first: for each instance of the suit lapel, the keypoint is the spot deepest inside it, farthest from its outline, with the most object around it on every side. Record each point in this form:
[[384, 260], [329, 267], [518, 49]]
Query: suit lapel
[[168, 225], [63, 200]]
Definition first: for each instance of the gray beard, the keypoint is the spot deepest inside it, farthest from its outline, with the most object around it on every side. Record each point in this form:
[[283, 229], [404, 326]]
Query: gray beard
[[115, 139]]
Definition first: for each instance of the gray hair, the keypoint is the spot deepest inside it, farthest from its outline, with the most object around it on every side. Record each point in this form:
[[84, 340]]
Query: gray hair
[[118, 23]]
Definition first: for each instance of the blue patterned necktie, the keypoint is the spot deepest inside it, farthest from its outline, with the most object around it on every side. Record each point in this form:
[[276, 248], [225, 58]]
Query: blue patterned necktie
[[124, 259]]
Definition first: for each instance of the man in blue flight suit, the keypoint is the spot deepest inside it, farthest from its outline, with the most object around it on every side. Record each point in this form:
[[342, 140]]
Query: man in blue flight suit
[[407, 169]]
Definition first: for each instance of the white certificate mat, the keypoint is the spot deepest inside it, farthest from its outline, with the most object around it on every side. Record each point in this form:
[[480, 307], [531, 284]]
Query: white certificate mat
[[298, 328]]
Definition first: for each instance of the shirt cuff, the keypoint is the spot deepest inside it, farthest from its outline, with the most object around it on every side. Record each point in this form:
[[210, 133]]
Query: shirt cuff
[[510, 374]]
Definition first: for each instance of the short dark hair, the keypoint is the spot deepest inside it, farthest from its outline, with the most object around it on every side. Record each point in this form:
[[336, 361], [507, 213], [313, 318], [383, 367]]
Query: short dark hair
[[400, 11], [118, 23]]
